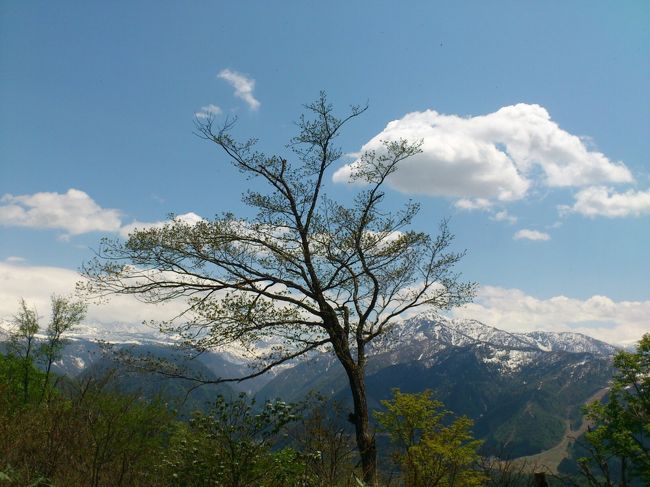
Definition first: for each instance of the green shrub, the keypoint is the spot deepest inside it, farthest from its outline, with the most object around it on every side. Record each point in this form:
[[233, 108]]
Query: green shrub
[[429, 452]]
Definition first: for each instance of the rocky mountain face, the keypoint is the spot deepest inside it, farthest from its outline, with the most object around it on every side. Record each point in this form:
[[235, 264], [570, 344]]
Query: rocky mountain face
[[521, 389]]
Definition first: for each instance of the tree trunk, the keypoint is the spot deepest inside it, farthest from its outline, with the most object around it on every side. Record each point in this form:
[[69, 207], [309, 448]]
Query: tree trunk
[[365, 439], [27, 368]]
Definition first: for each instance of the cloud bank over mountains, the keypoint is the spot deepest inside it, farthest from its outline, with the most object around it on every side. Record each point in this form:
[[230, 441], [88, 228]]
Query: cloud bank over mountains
[[616, 322], [36, 284]]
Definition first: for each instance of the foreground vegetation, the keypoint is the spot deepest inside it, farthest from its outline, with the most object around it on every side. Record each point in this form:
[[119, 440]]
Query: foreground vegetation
[[87, 433], [62, 432]]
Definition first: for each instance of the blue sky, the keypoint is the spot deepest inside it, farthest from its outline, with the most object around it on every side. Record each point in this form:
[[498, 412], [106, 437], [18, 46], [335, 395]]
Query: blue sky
[[534, 116]]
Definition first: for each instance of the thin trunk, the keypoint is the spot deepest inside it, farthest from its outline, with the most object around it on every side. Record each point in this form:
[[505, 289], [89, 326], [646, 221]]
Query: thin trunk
[[365, 439], [46, 380], [27, 369]]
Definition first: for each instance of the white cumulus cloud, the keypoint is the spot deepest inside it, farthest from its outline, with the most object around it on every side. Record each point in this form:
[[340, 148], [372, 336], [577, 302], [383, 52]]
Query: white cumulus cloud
[[73, 211], [601, 201], [526, 234], [244, 86], [498, 156], [616, 322]]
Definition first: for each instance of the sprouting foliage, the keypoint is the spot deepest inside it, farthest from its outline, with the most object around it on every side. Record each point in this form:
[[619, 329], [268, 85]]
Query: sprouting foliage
[[619, 440], [430, 450], [232, 445]]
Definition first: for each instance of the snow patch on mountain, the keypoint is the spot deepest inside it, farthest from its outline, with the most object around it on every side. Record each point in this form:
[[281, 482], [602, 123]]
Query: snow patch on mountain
[[509, 360], [570, 342]]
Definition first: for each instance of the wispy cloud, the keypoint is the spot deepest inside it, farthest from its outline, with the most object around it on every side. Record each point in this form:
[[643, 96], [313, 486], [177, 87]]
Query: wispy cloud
[[504, 216], [535, 235], [496, 157], [601, 201], [244, 86], [207, 111], [14, 259], [189, 218], [472, 204], [74, 212]]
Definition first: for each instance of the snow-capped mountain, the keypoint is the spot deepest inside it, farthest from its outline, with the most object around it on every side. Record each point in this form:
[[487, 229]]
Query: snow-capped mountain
[[439, 331], [423, 337], [83, 344], [115, 332], [119, 333], [420, 338], [4, 331]]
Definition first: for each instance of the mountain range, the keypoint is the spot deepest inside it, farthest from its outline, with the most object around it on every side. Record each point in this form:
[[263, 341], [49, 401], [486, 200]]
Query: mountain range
[[523, 390]]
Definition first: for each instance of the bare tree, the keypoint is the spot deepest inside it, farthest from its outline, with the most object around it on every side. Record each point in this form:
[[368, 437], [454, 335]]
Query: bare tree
[[66, 314], [306, 271]]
